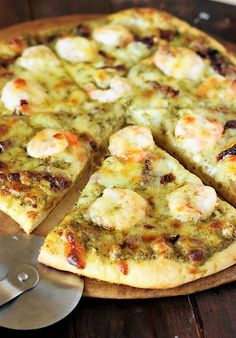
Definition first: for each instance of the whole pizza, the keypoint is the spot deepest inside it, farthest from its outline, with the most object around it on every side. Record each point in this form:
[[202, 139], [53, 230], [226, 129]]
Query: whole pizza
[[152, 102]]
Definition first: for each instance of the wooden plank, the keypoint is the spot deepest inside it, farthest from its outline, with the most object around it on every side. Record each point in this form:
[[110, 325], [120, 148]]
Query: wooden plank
[[64, 329], [216, 311], [13, 11], [169, 318], [45, 8]]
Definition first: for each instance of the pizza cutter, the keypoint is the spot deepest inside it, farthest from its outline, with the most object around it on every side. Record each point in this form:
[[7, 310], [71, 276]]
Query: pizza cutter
[[32, 295]]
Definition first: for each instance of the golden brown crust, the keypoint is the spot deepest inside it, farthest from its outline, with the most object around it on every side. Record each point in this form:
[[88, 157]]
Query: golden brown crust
[[160, 273], [54, 24], [41, 26]]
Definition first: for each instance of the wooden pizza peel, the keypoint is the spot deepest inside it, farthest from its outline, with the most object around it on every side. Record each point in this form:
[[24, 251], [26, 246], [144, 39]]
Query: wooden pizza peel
[[94, 288]]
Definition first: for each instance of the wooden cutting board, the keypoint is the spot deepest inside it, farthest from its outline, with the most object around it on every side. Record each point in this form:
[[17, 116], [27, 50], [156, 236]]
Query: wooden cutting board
[[94, 288]]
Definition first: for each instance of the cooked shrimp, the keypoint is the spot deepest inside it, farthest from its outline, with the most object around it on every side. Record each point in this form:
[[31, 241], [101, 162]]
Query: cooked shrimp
[[112, 35], [179, 62], [50, 142], [38, 58], [118, 209], [47, 142], [132, 143], [191, 203], [76, 49], [118, 87], [24, 95], [218, 89], [197, 133]]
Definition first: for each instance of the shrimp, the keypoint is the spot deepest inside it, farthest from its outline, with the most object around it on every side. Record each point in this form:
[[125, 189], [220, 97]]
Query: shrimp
[[76, 49], [112, 35], [47, 142], [118, 209], [23, 95], [119, 87], [132, 143], [196, 132], [191, 203], [179, 62], [216, 88], [38, 58], [50, 142]]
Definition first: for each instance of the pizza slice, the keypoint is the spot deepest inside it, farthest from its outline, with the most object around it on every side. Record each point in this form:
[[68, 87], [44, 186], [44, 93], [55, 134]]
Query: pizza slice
[[39, 83], [38, 166], [202, 139], [144, 221], [178, 76]]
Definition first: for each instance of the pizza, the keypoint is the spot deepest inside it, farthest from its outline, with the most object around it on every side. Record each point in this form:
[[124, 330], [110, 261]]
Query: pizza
[[143, 220], [151, 94]]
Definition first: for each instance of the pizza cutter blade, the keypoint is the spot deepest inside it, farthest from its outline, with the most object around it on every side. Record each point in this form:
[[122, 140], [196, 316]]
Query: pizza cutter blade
[[32, 295]]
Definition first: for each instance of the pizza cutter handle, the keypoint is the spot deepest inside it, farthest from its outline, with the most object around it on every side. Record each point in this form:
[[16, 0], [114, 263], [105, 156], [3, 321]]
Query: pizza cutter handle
[[18, 280]]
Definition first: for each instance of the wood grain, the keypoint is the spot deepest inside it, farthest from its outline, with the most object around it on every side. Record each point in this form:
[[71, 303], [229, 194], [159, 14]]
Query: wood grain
[[45, 8], [12, 11], [212, 303]]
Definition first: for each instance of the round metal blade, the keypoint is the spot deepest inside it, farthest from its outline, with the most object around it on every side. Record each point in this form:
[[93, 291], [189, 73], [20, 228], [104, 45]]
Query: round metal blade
[[54, 297]]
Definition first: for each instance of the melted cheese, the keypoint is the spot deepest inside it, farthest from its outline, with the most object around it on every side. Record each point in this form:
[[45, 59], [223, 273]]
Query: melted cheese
[[131, 143], [76, 49], [112, 35], [118, 209], [38, 59], [18, 92]]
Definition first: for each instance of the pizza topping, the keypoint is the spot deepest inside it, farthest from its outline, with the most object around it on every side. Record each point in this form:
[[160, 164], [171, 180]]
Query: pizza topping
[[57, 183], [118, 209], [123, 267], [18, 94], [218, 89], [132, 143], [112, 35], [82, 30], [174, 239], [228, 152], [36, 58], [17, 45], [191, 203], [166, 90], [75, 252], [149, 41], [167, 178], [218, 62], [197, 133], [76, 49], [231, 124], [3, 129], [119, 87], [4, 145], [196, 255], [167, 34], [161, 247], [47, 142], [3, 167], [179, 62]]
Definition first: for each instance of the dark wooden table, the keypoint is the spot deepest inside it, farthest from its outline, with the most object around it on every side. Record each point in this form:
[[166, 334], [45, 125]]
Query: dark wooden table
[[209, 314]]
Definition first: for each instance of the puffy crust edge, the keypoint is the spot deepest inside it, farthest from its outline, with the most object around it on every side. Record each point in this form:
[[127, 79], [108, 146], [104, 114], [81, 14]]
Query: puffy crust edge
[[160, 273], [54, 24]]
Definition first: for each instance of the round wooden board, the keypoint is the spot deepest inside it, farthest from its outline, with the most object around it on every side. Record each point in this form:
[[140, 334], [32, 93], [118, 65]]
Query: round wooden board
[[94, 288]]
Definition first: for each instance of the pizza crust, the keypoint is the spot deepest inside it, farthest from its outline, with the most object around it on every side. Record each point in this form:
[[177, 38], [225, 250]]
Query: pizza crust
[[159, 273], [178, 273]]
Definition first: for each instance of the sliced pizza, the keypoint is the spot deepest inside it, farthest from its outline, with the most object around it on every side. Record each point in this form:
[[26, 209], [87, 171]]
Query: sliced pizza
[[144, 221], [38, 166], [202, 139]]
